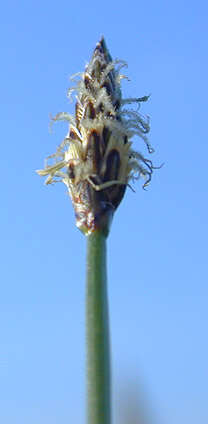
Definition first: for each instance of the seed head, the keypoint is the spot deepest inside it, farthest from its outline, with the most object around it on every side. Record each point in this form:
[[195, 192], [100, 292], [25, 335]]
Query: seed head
[[96, 160]]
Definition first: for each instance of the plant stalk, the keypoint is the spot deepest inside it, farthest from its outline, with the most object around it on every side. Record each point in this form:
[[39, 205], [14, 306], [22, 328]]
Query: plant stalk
[[98, 350]]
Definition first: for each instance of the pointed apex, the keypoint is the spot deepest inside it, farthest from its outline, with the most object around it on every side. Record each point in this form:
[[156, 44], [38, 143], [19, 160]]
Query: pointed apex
[[101, 49]]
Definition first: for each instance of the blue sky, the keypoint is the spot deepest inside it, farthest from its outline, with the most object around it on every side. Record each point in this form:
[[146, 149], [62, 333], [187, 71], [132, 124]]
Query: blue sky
[[157, 249]]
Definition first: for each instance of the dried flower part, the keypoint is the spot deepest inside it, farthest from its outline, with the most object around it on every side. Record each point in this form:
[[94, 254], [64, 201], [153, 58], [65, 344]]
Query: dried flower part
[[96, 160]]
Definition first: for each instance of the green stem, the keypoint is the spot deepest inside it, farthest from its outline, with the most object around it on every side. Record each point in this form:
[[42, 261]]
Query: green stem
[[98, 352]]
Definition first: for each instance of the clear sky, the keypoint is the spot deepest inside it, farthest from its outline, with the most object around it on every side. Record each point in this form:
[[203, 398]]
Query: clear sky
[[157, 249]]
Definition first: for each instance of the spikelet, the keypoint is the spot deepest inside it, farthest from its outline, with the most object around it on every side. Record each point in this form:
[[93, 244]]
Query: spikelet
[[96, 160]]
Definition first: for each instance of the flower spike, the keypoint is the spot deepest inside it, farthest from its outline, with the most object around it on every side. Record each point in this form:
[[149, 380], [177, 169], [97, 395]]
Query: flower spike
[[96, 160]]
